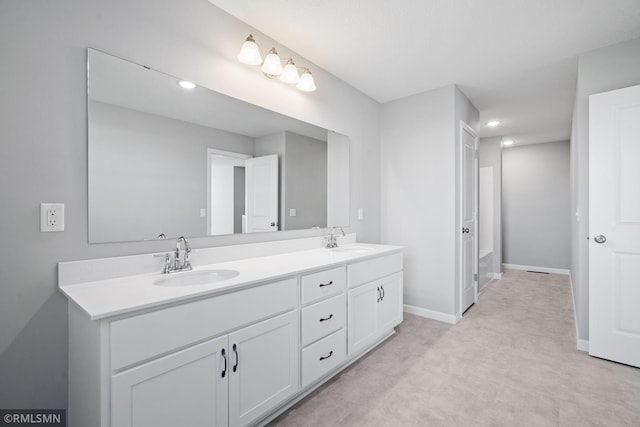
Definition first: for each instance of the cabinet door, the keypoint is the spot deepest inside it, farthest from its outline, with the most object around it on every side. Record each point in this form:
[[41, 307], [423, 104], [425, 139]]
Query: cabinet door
[[184, 388], [264, 364], [390, 306], [362, 316]]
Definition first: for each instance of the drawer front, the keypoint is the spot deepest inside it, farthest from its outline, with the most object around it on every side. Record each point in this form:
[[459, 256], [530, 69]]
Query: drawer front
[[320, 358], [323, 284], [323, 318], [372, 269], [142, 337]]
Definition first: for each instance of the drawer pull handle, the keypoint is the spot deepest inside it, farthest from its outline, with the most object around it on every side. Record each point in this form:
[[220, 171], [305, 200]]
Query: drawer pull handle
[[379, 295], [382, 289], [235, 350], [224, 356], [327, 356], [324, 319], [322, 285]]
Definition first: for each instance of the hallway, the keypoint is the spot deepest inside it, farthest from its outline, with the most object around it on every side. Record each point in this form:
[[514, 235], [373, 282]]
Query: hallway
[[512, 360]]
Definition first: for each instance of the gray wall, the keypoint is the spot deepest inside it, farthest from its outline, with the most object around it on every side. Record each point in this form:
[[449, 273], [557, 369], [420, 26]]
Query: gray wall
[[490, 155], [535, 205], [306, 183], [43, 114], [419, 192], [601, 70], [149, 173]]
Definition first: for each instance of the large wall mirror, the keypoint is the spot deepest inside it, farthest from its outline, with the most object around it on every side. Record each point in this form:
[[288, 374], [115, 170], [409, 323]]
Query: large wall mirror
[[166, 161]]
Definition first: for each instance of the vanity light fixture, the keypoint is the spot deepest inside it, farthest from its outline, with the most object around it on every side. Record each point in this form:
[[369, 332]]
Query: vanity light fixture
[[493, 123], [272, 66], [186, 85]]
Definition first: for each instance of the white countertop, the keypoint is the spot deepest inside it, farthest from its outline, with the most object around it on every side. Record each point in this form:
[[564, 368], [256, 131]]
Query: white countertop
[[115, 296]]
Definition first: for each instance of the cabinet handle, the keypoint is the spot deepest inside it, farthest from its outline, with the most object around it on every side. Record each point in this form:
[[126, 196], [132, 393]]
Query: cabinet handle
[[327, 356], [322, 285], [379, 295], [235, 350], [382, 289], [324, 319], [224, 356]]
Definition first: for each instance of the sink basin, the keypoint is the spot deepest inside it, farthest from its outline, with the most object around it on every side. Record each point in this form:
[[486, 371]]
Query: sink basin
[[193, 278], [352, 249]]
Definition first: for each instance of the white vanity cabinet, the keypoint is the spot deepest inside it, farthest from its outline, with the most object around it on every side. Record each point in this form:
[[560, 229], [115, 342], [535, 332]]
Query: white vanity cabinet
[[375, 300], [236, 357]]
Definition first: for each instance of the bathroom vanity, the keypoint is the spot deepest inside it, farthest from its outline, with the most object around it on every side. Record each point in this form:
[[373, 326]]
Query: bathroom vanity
[[229, 343]]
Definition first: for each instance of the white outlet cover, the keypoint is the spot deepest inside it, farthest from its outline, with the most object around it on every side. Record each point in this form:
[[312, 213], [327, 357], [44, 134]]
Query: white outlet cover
[[51, 217], [292, 212]]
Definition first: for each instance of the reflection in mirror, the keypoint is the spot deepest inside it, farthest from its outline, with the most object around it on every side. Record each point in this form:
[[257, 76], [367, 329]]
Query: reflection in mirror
[[165, 160]]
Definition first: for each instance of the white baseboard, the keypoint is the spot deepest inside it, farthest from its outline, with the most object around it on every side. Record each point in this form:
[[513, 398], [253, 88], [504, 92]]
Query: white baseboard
[[534, 268], [431, 314], [583, 345]]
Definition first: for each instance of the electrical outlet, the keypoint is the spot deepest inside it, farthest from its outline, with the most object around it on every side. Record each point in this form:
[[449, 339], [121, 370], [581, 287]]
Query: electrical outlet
[[51, 217]]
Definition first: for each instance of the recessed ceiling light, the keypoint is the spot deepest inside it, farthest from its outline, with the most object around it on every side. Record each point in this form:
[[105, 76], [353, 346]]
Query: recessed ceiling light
[[493, 123], [507, 142], [187, 85]]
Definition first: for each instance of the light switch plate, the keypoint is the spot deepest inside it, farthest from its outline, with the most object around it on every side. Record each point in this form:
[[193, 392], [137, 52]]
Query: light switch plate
[[51, 217]]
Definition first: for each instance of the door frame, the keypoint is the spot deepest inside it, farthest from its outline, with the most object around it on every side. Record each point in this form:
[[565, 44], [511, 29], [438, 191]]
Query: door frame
[[464, 127]]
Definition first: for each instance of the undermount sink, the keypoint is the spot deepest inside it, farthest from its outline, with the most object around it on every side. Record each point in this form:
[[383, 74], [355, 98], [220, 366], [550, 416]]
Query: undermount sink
[[352, 249], [193, 278]]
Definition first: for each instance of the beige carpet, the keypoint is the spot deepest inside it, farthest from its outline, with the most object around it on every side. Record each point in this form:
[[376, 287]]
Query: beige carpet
[[511, 361]]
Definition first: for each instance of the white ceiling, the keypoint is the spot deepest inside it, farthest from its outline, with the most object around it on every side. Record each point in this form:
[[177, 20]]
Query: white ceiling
[[516, 60]]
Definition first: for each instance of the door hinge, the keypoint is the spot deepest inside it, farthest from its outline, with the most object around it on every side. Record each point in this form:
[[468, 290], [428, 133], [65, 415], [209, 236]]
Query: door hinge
[[475, 277]]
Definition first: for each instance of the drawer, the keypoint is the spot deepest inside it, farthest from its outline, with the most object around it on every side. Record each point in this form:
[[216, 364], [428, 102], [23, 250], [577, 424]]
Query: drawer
[[320, 358], [323, 318], [142, 337], [372, 269], [323, 284]]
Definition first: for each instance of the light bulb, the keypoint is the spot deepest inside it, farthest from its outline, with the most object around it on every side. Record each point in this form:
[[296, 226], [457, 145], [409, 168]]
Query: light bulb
[[272, 66], [306, 83], [290, 73], [249, 52]]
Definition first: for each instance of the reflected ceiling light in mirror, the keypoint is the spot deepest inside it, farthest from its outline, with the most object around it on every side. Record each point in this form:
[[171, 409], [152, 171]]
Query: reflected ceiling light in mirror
[[249, 52], [493, 123], [272, 66], [507, 142], [186, 85]]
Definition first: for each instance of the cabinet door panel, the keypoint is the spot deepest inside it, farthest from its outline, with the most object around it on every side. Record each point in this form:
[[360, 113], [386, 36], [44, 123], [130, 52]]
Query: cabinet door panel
[[390, 307], [183, 388], [267, 367], [363, 316]]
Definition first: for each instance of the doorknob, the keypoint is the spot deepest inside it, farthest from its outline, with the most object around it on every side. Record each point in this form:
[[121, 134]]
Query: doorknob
[[465, 231], [600, 238]]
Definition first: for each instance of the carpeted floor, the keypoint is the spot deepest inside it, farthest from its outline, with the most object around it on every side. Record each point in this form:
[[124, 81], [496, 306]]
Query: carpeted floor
[[511, 361]]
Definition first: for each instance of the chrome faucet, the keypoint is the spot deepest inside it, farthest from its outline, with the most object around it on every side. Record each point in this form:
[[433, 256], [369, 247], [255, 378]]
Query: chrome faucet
[[176, 265], [332, 242]]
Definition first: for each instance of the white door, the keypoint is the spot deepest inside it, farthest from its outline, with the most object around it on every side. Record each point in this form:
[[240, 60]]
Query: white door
[[186, 388], [614, 225], [468, 216], [362, 316], [390, 305], [264, 361], [262, 194]]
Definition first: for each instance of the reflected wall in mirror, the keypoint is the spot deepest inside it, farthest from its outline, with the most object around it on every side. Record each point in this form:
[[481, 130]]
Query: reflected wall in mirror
[[165, 160]]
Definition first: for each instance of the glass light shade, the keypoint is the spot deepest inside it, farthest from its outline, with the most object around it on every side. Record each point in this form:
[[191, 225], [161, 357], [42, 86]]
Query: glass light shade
[[306, 83], [272, 66], [186, 85], [290, 73], [249, 52]]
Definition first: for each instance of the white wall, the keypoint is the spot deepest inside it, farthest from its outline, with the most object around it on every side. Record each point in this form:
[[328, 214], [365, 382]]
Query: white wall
[[43, 113], [601, 70], [490, 155], [419, 182], [535, 205]]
